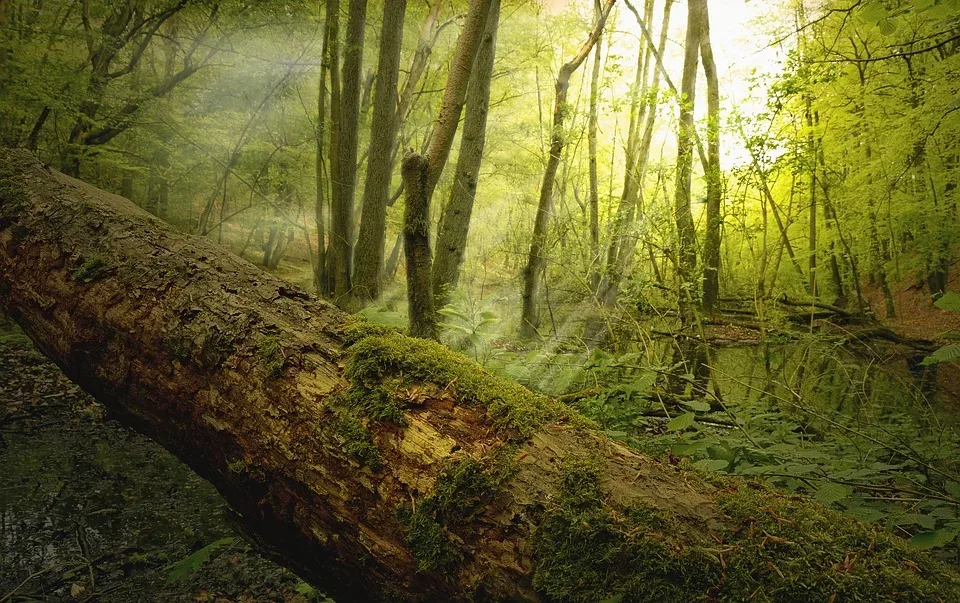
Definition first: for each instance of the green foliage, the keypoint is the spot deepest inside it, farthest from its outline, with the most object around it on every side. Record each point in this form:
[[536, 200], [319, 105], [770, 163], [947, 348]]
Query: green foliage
[[949, 353], [468, 325]]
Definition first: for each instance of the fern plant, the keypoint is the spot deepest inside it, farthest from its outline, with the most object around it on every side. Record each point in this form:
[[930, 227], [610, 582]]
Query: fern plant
[[468, 325]]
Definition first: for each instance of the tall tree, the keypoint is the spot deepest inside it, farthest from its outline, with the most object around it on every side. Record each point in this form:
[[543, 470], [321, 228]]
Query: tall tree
[[455, 221], [592, 128], [420, 190], [329, 65], [537, 259], [345, 176], [711, 247], [686, 254], [383, 134], [455, 91], [115, 48]]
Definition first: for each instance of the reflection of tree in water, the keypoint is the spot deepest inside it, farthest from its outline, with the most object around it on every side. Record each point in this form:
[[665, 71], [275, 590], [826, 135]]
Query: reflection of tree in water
[[691, 372]]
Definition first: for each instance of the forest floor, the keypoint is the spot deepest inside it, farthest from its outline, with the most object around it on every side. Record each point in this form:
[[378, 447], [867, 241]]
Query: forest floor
[[90, 510]]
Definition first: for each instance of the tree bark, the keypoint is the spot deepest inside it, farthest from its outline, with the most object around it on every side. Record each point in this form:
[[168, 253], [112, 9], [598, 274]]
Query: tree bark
[[455, 92], [711, 247], [455, 222], [383, 135], [686, 232], [592, 127], [416, 245], [537, 259], [345, 182], [378, 466]]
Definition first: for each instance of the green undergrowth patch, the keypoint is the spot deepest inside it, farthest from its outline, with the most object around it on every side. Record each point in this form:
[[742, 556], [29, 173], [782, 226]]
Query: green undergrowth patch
[[380, 355], [772, 547], [462, 488]]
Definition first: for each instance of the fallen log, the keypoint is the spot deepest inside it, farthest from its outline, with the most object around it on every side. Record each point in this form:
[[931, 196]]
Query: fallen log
[[383, 467]]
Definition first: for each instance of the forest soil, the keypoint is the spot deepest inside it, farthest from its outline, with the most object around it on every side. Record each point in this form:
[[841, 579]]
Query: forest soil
[[82, 496]]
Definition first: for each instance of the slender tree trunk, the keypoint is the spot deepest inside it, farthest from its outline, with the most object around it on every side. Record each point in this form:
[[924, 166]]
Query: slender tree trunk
[[686, 232], [381, 467], [812, 285], [455, 221], [383, 135], [455, 92], [537, 260], [323, 172], [711, 247], [593, 199], [345, 183]]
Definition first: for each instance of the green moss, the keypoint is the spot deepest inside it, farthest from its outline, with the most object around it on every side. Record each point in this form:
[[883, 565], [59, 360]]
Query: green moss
[[272, 355], [91, 269], [16, 340], [356, 439], [586, 552], [772, 548], [415, 361], [462, 488], [820, 553]]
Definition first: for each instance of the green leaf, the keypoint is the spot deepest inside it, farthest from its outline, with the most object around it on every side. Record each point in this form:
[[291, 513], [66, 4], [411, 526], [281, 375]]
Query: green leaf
[[953, 488], [907, 519], [832, 492], [182, 570], [888, 27], [866, 514], [949, 301], [697, 405], [948, 353], [713, 464], [681, 422], [932, 539], [874, 12]]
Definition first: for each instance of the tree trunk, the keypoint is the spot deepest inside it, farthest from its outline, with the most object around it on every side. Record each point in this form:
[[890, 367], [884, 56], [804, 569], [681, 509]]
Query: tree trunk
[[455, 222], [321, 279], [686, 232], [416, 245], [383, 135], [345, 182], [381, 467], [455, 92], [537, 259], [711, 247], [592, 127]]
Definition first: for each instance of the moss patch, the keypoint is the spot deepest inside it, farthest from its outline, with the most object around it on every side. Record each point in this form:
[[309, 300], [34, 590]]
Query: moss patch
[[462, 489], [775, 548], [356, 439], [387, 354], [587, 552], [91, 269], [272, 355]]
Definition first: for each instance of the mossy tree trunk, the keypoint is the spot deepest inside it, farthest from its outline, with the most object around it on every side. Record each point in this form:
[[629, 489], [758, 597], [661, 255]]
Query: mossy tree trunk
[[416, 246], [384, 467]]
